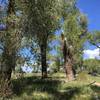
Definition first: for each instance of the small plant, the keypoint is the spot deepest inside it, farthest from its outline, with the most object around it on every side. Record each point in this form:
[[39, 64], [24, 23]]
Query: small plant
[[82, 76]]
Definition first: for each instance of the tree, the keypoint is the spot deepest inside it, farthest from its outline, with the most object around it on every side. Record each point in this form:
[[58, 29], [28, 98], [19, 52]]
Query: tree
[[10, 42], [73, 37], [42, 21], [92, 66]]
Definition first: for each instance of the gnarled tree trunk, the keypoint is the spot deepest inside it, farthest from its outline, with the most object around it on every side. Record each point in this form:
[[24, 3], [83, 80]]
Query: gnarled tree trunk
[[69, 70], [67, 59]]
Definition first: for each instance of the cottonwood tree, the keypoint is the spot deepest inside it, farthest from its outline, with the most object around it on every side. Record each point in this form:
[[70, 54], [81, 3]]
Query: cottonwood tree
[[41, 21], [73, 37], [10, 42]]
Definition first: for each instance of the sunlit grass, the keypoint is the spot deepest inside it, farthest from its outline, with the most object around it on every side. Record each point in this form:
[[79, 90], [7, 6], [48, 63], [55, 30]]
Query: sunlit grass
[[32, 87]]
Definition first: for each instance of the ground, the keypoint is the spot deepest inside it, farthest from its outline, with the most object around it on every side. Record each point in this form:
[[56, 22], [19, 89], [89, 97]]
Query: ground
[[32, 87]]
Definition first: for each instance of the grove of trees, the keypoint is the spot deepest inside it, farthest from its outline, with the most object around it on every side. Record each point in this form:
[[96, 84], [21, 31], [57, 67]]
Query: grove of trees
[[33, 24]]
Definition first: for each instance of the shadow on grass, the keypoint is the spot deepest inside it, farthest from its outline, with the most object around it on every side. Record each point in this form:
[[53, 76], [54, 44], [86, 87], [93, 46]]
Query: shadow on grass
[[96, 91], [68, 93], [29, 85]]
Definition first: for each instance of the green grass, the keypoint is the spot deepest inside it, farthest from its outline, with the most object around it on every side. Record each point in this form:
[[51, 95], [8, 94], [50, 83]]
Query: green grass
[[55, 88]]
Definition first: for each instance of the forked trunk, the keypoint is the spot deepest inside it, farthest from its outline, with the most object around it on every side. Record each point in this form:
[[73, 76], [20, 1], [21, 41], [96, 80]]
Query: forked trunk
[[67, 59]]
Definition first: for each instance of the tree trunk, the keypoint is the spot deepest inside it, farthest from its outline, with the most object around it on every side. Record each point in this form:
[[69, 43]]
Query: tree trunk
[[8, 63], [43, 60], [5, 83], [8, 56], [67, 59], [69, 70], [11, 7], [7, 60], [6, 76]]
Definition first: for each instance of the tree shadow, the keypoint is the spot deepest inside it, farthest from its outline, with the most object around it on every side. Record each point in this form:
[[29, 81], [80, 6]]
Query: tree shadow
[[68, 93], [34, 83], [29, 85], [96, 90]]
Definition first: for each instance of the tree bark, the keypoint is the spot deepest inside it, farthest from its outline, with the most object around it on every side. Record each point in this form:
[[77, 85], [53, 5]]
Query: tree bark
[[5, 75], [43, 60], [69, 70], [11, 7], [7, 65], [5, 83], [67, 59]]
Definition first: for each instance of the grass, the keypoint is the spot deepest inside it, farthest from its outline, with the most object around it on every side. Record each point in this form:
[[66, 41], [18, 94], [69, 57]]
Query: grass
[[55, 88]]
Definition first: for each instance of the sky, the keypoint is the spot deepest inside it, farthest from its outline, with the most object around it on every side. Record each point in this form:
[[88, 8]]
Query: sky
[[91, 54], [91, 8]]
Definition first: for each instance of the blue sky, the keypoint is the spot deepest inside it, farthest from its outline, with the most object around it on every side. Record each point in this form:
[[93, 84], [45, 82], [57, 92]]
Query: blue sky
[[92, 10]]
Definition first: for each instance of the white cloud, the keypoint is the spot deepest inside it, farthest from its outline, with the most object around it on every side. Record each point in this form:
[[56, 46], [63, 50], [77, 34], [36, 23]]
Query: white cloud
[[91, 54]]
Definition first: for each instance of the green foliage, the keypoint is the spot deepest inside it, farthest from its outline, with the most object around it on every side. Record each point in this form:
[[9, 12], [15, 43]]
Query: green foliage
[[56, 61], [92, 65], [82, 76], [54, 67], [18, 69], [39, 19], [10, 40], [42, 18], [95, 38], [75, 31]]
